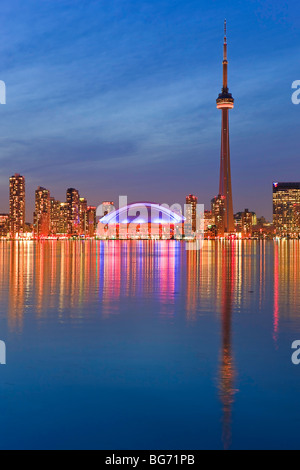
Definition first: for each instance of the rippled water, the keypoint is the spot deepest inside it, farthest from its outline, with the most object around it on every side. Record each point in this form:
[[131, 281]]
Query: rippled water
[[144, 345]]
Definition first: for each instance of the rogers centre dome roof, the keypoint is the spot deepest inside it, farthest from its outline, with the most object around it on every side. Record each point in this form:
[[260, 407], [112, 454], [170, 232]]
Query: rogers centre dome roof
[[142, 213]]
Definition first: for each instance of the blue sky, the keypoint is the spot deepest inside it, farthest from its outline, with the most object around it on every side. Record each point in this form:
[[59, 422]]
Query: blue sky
[[118, 97]]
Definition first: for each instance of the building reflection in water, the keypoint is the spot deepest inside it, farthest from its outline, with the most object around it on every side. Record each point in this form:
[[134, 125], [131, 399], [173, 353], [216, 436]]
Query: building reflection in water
[[276, 295], [286, 283], [139, 270], [214, 282], [227, 371], [62, 279], [17, 272]]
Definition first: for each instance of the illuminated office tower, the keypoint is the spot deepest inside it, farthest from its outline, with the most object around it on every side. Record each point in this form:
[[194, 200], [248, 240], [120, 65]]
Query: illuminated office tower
[[4, 225], [108, 207], [91, 221], [296, 218], [55, 216], [208, 220], [73, 212], [17, 204], [41, 216], [191, 212], [63, 219], [247, 218], [218, 211], [286, 204], [83, 215], [225, 102], [245, 221]]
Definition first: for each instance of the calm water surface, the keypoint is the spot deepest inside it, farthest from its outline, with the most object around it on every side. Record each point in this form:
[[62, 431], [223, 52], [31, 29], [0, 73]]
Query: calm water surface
[[144, 345]]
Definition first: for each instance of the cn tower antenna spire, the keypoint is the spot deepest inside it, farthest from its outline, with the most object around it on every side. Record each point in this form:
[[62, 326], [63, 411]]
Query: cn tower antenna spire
[[225, 61]]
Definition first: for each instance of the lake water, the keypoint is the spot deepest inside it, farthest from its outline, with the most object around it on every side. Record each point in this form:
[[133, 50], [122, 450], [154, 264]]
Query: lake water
[[144, 345]]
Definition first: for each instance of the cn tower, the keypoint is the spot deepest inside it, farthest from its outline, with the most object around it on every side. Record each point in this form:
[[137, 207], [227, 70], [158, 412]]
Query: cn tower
[[225, 102]]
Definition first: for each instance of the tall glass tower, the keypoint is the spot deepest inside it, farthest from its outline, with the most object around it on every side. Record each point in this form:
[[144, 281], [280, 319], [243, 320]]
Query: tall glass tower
[[17, 204]]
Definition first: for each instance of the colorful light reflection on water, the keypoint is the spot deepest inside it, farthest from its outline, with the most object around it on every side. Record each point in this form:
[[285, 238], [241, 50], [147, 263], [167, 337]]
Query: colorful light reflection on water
[[144, 345]]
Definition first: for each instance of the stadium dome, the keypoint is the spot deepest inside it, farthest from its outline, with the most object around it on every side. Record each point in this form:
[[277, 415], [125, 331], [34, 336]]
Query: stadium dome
[[143, 213]]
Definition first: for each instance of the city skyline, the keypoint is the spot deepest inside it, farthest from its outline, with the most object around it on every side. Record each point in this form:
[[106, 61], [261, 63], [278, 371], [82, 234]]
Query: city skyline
[[189, 199], [74, 217], [147, 111], [149, 227]]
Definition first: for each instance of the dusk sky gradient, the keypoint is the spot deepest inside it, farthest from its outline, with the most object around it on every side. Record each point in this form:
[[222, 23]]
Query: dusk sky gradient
[[118, 97]]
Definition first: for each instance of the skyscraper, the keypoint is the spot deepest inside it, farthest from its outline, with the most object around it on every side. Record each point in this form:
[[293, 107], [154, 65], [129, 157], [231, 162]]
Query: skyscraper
[[108, 207], [55, 216], [225, 102], [17, 204], [191, 211], [244, 222], [42, 211], [286, 209], [91, 221], [63, 219], [73, 211], [218, 210], [247, 218], [4, 225], [83, 215]]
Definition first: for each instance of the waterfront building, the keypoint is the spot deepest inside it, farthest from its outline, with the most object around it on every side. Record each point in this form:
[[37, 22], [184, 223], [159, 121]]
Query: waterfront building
[[90, 221], [17, 205], [108, 207], [41, 216], [140, 221], [73, 217], [286, 204], [63, 219], [55, 216], [247, 224], [218, 211], [191, 213], [83, 216], [4, 225], [245, 221]]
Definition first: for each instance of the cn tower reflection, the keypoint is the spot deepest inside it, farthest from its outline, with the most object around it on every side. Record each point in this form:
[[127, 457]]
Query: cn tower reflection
[[215, 281], [227, 371]]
